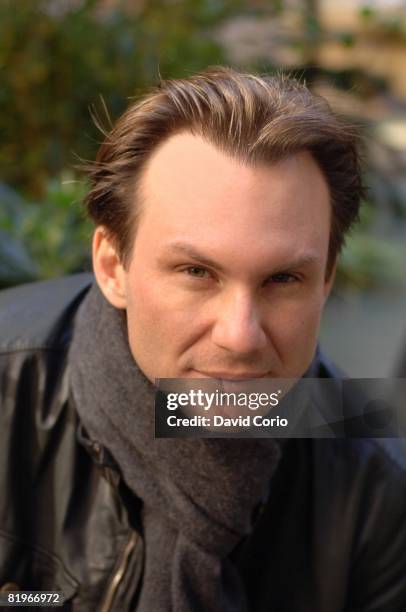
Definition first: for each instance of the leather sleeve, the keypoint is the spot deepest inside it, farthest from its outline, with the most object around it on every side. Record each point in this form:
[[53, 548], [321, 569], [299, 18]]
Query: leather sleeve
[[377, 577]]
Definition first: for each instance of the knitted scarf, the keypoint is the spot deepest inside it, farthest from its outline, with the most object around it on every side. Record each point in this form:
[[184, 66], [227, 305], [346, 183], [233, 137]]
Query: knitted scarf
[[198, 495]]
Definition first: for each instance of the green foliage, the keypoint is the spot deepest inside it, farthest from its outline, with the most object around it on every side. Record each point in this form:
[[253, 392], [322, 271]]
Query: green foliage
[[369, 261], [56, 65], [367, 12], [390, 24], [43, 240], [347, 39]]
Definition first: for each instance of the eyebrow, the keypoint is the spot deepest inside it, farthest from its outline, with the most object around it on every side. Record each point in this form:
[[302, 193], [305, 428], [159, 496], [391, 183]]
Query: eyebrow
[[302, 260]]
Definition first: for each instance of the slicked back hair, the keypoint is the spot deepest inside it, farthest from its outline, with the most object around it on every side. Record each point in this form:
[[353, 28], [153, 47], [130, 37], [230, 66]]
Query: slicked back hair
[[254, 119]]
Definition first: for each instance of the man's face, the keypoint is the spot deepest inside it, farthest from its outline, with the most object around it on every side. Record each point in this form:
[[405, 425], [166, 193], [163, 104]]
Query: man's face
[[227, 276]]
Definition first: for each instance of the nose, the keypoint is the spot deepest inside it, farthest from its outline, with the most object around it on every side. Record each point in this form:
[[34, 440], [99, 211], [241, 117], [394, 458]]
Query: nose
[[238, 327]]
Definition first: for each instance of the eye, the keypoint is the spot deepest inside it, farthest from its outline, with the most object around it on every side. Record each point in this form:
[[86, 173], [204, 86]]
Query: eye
[[196, 271], [282, 278]]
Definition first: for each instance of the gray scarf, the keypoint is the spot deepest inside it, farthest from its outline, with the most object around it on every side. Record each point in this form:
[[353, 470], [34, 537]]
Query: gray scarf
[[199, 495]]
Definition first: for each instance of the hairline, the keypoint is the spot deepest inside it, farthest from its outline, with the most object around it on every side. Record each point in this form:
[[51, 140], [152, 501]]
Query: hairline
[[139, 197]]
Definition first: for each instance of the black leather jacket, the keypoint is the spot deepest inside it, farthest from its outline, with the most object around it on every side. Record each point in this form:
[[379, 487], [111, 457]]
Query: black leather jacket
[[331, 538]]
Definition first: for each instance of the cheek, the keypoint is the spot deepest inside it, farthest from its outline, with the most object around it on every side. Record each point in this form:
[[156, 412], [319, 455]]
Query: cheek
[[152, 328], [143, 298], [155, 311], [295, 326], [147, 313]]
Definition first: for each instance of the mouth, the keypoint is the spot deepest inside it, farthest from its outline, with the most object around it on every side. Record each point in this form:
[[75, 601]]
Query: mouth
[[232, 376]]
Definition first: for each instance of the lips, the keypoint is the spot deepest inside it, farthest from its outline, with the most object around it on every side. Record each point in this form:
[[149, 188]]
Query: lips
[[233, 376]]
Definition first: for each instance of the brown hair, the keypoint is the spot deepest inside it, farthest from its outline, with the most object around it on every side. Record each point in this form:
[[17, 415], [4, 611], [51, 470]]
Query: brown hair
[[252, 118]]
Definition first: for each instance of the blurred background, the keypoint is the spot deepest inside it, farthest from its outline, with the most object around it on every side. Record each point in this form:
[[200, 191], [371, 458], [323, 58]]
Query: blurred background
[[68, 64]]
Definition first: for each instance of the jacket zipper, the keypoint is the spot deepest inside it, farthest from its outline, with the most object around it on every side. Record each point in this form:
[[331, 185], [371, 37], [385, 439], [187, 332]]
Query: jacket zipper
[[118, 576]]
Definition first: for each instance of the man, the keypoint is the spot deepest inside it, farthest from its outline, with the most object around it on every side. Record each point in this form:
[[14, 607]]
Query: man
[[220, 203]]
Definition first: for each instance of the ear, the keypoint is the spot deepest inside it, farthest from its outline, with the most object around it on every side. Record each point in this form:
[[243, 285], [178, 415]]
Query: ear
[[329, 281], [108, 269]]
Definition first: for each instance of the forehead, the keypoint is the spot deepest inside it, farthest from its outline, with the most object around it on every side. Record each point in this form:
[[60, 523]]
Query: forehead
[[191, 190]]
